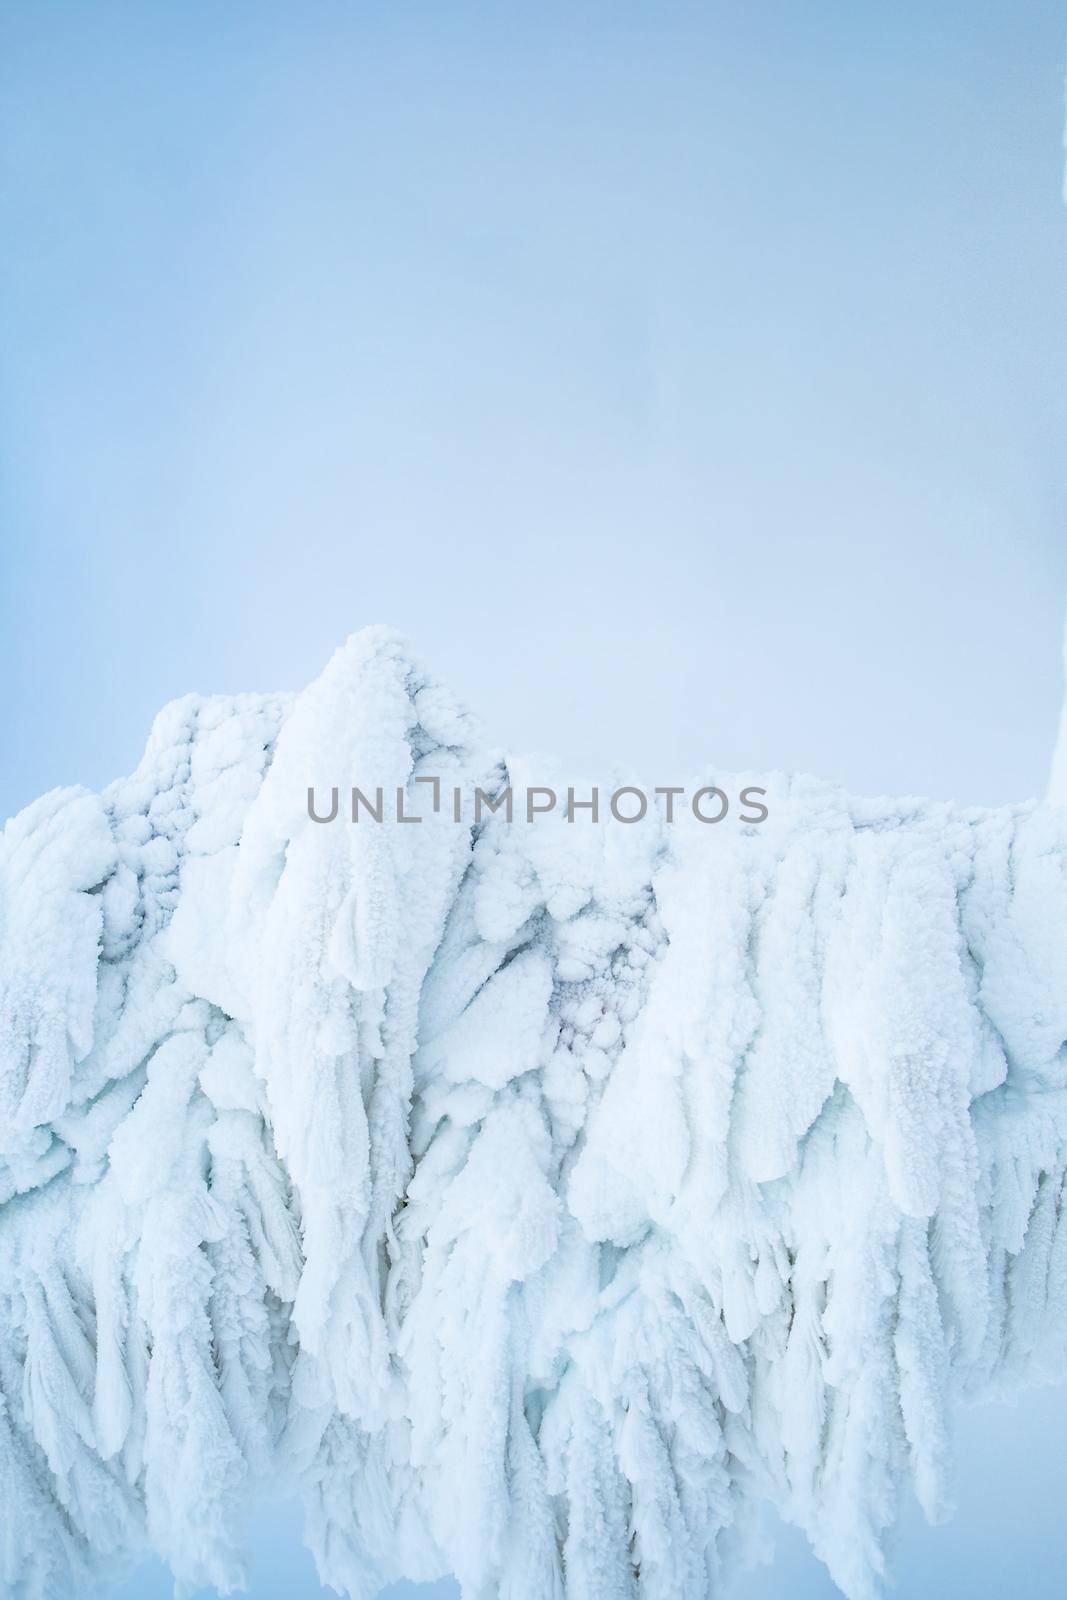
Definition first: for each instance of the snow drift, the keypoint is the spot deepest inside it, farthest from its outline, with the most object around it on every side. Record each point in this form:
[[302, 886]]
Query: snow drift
[[540, 1202]]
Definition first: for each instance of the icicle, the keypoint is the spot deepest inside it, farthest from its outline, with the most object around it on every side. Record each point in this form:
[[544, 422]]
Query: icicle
[[537, 1198]]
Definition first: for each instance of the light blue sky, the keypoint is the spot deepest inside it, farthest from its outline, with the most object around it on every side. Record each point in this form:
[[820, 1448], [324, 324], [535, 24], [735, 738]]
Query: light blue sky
[[686, 379]]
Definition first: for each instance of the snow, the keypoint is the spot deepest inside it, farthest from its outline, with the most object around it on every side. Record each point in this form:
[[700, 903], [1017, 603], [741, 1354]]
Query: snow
[[540, 1201]]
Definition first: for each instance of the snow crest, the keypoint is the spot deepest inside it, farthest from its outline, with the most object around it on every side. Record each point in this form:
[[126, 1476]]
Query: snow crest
[[539, 1201]]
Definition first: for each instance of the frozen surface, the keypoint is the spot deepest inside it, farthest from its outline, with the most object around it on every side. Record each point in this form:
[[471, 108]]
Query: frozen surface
[[539, 1202]]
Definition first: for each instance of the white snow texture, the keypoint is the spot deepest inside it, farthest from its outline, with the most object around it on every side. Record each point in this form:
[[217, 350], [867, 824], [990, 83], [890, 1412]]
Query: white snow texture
[[540, 1202]]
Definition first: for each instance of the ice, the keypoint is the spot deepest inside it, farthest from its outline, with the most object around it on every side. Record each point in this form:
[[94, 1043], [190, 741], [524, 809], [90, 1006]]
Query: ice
[[538, 1201]]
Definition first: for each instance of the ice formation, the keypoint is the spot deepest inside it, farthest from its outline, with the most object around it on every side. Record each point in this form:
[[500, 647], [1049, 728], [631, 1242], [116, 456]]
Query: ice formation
[[540, 1202]]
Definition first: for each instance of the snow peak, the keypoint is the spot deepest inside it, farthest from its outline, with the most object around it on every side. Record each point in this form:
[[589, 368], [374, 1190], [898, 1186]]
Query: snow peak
[[626, 804]]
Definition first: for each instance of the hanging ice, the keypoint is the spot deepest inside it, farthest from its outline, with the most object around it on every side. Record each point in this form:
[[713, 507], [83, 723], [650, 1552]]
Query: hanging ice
[[543, 1200]]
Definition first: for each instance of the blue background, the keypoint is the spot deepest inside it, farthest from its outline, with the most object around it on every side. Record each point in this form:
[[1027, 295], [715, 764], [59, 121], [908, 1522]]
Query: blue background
[[686, 379]]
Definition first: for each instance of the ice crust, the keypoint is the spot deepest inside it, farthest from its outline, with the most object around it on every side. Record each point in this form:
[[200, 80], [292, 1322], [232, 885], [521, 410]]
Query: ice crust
[[539, 1202]]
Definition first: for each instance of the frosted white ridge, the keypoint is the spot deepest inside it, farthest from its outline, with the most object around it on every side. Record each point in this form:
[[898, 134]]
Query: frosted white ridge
[[540, 1202]]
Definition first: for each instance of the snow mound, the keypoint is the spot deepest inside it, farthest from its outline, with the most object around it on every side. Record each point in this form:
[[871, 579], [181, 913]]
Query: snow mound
[[540, 1201]]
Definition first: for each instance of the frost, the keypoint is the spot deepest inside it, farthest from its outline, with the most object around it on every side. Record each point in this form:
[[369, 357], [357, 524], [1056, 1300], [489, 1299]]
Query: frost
[[540, 1201]]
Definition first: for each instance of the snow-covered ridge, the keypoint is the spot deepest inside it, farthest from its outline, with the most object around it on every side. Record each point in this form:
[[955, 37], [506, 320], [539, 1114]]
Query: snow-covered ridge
[[541, 1201]]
